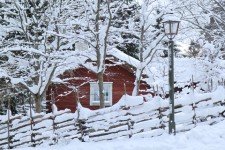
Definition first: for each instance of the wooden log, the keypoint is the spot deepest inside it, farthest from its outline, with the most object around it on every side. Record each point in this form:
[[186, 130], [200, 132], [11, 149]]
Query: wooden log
[[11, 118], [3, 127], [58, 123], [3, 143], [107, 133], [65, 125], [73, 136]]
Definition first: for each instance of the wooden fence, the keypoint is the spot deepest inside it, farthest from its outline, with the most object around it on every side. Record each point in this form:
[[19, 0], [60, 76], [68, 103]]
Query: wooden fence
[[32, 131], [131, 117]]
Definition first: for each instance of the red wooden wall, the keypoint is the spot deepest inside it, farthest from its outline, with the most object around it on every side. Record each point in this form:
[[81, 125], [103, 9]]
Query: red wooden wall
[[65, 98]]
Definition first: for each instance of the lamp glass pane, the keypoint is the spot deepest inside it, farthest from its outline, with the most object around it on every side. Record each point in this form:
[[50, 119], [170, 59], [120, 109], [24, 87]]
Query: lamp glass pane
[[167, 28], [174, 26]]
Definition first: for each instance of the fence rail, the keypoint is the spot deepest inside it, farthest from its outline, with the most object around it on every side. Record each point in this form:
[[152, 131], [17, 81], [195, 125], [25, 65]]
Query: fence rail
[[131, 117]]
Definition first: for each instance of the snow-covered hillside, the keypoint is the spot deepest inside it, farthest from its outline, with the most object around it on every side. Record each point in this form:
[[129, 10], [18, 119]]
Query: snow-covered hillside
[[186, 71], [203, 137]]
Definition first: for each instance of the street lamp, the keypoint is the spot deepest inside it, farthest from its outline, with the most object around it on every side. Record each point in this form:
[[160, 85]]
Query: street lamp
[[171, 30]]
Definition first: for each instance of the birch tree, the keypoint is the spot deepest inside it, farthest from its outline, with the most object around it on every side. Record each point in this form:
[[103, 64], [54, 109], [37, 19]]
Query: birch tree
[[150, 34], [98, 17]]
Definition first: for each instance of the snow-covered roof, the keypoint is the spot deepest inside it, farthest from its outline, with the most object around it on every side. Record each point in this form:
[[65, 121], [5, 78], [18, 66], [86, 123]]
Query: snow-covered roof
[[124, 57], [85, 58]]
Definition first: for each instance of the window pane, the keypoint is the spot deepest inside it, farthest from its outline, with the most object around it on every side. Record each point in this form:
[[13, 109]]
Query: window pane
[[106, 94], [106, 91], [94, 95]]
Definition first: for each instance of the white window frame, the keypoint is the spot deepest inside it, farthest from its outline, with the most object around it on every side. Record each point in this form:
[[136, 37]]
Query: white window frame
[[94, 93]]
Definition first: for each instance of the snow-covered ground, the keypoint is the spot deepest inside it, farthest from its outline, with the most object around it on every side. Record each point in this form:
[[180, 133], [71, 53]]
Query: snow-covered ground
[[203, 137]]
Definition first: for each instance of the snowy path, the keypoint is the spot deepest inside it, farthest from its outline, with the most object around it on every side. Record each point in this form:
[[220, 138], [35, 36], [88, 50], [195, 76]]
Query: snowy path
[[200, 138]]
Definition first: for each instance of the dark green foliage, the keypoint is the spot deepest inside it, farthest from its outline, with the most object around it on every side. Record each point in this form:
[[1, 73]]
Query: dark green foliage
[[130, 49], [30, 20], [18, 99], [166, 46], [128, 43], [193, 49], [128, 1], [159, 22]]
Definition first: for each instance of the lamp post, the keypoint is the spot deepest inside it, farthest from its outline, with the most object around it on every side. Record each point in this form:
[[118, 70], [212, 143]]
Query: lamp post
[[171, 30]]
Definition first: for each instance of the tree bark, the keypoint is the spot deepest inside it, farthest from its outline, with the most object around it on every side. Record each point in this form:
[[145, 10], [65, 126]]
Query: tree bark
[[37, 99], [101, 89], [99, 57], [137, 82]]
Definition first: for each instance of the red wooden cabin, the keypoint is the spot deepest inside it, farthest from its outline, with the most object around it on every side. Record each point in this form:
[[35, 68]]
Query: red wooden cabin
[[81, 85]]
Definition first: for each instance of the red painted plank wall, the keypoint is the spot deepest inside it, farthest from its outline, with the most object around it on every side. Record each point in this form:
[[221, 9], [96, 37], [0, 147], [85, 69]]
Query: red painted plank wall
[[118, 74]]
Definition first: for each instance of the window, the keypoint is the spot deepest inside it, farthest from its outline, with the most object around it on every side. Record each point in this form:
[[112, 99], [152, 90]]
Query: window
[[94, 93]]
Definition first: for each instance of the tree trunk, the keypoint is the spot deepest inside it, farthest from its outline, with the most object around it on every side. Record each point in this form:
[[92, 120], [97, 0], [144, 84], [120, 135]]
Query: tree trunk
[[37, 99], [101, 89], [1, 108], [137, 82], [100, 58]]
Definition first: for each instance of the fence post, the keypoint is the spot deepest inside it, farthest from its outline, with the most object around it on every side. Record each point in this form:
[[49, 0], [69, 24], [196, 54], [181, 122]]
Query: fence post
[[82, 127], [162, 125], [31, 126], [157, 90], [208, 85], [9, 113], [192, 84], [81, 123], [163, 92], [125, 88], [54, 110], [223, 83], [211, 85], [8, 126], [154, 90], [194, 121], [130, 124], [55, 139]]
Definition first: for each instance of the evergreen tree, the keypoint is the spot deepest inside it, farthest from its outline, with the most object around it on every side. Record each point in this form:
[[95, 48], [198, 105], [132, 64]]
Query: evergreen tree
[[194, 49], [126, 18]]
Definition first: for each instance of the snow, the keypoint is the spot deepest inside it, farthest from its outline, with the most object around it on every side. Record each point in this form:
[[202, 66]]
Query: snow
[[185, 69], [82, 113], [131, 116], [54, 109], [124, 57], [202, 137], [171, 17], [128, 101], [3, 73], [142, 113]]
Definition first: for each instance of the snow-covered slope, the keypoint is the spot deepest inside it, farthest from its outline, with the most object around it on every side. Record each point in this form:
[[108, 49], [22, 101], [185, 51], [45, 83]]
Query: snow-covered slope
[[186, 70]]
